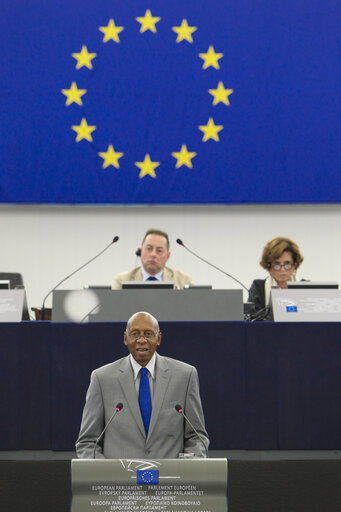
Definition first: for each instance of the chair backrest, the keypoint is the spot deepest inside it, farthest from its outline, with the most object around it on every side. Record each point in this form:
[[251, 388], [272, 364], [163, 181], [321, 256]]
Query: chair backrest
[[16, 280]]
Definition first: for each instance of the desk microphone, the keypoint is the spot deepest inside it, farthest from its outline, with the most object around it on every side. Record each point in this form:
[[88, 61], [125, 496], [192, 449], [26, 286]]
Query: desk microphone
[[180, 242], [180, 410], [115, 239], [118, 408], [262, 314]]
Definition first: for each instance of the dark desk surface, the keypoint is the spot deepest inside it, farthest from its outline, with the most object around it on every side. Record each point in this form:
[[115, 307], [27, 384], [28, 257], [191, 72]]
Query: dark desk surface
[[263, 386]]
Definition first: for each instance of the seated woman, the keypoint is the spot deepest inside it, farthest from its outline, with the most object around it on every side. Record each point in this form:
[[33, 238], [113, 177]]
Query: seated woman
[[281, 258]]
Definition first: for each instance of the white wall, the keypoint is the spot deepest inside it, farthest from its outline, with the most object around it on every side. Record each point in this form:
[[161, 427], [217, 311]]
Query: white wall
[[46, 243]]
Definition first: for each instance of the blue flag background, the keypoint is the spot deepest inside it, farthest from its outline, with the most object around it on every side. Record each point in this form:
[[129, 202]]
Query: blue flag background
[[147, 127]]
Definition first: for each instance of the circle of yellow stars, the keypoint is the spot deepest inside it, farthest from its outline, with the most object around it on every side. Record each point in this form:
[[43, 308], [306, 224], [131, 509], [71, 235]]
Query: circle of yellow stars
[[111, 32], [147, 477]]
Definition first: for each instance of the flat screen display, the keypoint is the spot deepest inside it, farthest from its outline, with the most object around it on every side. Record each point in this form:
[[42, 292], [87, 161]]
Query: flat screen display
[[312, 285], [150, 285]]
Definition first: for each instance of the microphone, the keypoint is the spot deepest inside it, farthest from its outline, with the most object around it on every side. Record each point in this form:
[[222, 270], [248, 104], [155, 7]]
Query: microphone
[[138, 252], [115, 239], [180, 410], [180, 242], [89, 313], [262, 314], [118, 408]]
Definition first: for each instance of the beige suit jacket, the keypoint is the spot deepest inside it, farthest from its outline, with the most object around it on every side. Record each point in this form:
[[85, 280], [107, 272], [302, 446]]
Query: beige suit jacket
[[169, 434], [179, 278]]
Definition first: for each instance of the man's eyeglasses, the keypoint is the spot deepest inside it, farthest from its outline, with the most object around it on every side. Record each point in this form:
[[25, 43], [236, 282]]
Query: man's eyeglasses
[[279, 266], [147, 335]]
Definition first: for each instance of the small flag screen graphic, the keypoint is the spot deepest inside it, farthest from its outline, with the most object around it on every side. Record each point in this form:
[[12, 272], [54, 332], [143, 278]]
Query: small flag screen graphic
[[147, 476]]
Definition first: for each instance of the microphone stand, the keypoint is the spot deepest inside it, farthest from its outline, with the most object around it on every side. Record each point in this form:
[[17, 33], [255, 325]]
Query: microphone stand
[[180, 410], [115, 239], [118, 408], [262, 314], [180, 242]]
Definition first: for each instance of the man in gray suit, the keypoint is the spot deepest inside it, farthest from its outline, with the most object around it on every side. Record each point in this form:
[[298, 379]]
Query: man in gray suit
[[154, 256], [132, 433]]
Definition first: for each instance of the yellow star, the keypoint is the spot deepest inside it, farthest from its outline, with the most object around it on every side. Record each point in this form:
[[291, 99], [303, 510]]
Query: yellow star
[[148, 22], [184, 157], [220, 94], [84, 58], [210, 130], [211, 58], [147, 167], [111, 157], [111, 31], [184, 32], [83, 130], [73, 95]]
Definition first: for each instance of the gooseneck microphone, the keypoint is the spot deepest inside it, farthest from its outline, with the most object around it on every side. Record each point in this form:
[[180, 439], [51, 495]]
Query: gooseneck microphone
[[180, 242], [180, 410], [115, 239], [118, 408]]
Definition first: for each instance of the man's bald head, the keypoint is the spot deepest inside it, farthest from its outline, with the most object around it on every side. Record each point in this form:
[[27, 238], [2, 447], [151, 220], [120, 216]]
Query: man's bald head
[[143, 314]]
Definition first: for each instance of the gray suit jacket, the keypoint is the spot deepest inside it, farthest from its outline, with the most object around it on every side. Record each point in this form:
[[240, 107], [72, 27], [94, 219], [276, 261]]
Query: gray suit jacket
[[169, 434], [169, 274]]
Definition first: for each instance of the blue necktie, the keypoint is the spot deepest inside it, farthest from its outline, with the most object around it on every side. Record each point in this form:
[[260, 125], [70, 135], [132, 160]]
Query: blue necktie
[[151, 278], [144, 399]]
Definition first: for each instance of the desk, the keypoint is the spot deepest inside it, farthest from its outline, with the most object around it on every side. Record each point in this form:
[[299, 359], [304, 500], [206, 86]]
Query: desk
[[192, 305], [263, 386], [257, 486]]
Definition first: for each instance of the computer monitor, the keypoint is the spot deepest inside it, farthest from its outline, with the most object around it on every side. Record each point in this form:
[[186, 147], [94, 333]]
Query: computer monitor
[[149, 285], [97, 287], [16, 282], [312, 285], [198, 287]]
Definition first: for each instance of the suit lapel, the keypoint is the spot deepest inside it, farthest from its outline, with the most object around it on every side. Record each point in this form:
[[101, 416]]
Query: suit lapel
[[126, 379], [161, 383], [137, 275], [168, 274]]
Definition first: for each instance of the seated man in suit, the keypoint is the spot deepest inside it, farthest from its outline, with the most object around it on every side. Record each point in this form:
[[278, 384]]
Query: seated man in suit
[[154, 256], [147, 387]]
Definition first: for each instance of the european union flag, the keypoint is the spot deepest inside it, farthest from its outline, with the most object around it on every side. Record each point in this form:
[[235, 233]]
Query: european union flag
[[186, 101], [147, 476], [291, 309]]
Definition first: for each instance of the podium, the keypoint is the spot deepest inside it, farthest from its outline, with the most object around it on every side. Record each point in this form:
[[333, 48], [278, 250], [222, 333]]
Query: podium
[[141, 485]]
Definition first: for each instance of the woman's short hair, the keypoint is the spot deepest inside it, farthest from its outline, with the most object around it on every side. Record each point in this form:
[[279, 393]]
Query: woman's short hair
[[275, 248]]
